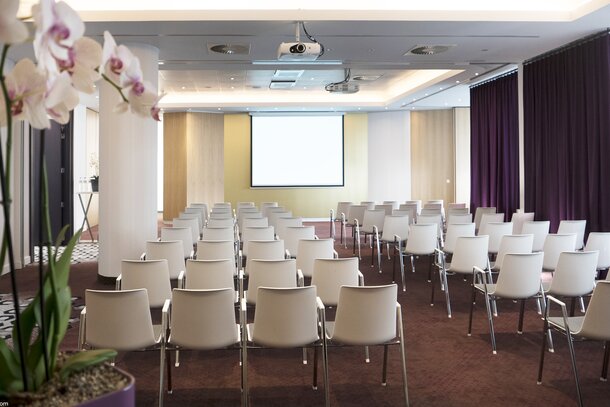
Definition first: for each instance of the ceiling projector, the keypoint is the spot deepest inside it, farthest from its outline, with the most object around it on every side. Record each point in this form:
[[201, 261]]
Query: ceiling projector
[[298, 51]]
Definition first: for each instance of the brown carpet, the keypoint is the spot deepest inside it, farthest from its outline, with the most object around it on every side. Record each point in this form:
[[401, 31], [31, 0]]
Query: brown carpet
[[445, 367]]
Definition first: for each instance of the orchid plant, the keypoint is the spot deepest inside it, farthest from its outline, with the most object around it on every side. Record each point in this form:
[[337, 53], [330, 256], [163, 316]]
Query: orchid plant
[[37, 92]]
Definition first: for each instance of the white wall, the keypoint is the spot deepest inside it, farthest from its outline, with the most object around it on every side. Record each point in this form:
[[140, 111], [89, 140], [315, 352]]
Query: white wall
[[389, 150], [461, 120]]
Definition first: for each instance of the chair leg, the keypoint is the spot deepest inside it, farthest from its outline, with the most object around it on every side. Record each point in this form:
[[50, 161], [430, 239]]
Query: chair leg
[[573, 359], [430, 268], [604, 376], [572, 306], [373, 252], [379, 247], [521, 312], [367, 356], [432, 290], [315, 368], [177, 364], [244, 372], [473, 301], [384, 373], [403, 359], [358, 238], [161, 373], [325, 370], [412, 264], [545, 333], [491, 324], [447, 300], [582, 304], [304, 356]]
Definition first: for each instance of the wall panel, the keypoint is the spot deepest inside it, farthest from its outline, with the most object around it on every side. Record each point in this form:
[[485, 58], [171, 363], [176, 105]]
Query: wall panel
[[174, 164]]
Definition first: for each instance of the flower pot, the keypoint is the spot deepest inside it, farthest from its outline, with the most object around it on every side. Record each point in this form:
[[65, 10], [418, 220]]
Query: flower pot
[[95, 184], [125, 397]]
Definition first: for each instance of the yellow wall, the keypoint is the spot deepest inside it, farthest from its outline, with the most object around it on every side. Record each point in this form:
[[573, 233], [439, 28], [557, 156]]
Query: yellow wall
[[305, 202]]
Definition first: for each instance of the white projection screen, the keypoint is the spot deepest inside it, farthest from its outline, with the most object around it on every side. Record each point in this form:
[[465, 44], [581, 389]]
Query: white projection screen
[[296, 151]]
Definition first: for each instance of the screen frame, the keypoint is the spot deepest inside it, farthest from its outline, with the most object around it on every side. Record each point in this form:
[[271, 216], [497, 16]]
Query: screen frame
[[342, 185]]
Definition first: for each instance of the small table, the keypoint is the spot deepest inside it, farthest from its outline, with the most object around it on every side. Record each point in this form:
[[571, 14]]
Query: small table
[[89, 197]]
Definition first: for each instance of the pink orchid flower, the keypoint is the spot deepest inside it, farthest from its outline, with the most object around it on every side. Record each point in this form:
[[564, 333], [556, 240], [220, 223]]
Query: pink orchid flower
[[26, 87], [12, 30], [115, 59]]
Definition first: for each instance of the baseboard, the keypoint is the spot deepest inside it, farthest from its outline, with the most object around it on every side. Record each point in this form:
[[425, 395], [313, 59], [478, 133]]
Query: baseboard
[[27, 260]]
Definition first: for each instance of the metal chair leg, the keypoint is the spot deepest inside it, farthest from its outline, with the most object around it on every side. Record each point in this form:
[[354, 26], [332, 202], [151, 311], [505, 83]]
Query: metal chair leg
[[403, 356], [491, 324], [545, 332], [604, 376], [573, 359], [521, 312], [447, 300], [161, 373], [384, 374], [315, 368]]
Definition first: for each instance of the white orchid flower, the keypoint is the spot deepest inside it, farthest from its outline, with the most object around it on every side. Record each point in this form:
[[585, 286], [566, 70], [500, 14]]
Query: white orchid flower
[[115, 59], [26, 87], [83, 60], [58, 27], [60, 98], [12, 30]]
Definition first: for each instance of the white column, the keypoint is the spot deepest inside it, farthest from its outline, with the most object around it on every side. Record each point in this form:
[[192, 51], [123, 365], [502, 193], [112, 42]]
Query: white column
[[128, 174], [521, 140]]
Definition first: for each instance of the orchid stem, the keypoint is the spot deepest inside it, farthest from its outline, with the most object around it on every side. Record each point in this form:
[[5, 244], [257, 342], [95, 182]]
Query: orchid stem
[[117, 87]]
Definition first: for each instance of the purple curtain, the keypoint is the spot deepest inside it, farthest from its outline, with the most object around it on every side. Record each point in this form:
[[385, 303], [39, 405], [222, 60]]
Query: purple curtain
[[494, 145], [567, 134]]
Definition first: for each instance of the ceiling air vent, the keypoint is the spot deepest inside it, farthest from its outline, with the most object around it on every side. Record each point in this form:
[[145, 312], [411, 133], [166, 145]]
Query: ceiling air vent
[[428, 49], [282, 84], [229, 49]]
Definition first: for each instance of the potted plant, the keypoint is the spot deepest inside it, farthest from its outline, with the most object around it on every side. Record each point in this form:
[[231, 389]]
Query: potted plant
[[67, 63], [95, 167]]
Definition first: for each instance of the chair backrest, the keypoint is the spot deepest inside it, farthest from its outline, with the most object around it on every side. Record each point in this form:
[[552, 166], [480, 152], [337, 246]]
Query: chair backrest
[[596, 324], [209, 274], [455, 218], [215, 249], [495, 231], [330, 274], [203, 319], [451, 212], [185, 235], [265, 205], [555, 244], [356, 212], [575, 274], [191, 223], [490, 218], [455, 230], [422, 239], [245, 205], [203, 207], [385, 207], [366, 315], [150, 274], [270, 273], [395, 225], [416, 202], [118, 319], [226, 222], [437, 219], [369, 204], [343, 207], [574, 226], [275, 215], [479, 213], [265, 250], [539, 229], [171, 250], [267, 210], [600, 241], [254, 222], [456, 205], [254, 214], [519, 218], [196, 213], [470, 251], [430, 212], [220, 214], [285, 317], [292, 235], [221, 205], [373, 217], [520, 276], [311, 249], [218, 233], [412, 208], [256, 233], [513, 244], [283, 223], [395, 204], [402, 212]]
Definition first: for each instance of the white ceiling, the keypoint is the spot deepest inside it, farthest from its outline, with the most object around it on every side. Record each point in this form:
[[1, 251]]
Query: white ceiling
[[483, 42]]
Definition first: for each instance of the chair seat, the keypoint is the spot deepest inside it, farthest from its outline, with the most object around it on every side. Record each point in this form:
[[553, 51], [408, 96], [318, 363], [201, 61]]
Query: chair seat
[[250, 328], [491, 288], [368, 231], [574, 322], [456, 271], [235, 341]]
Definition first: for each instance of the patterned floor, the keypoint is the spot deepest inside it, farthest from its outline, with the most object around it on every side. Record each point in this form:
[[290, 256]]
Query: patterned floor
[[82, 252]]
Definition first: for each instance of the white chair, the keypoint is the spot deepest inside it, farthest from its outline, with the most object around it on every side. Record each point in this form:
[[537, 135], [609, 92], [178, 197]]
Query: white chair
[[248, 204], [574, 226], [218, 233], [264, 250], [540, 229], [594, 325], [470, 251], [455, 230], [292, 235], [283, 223], [220, 222], [203, 207], [208, 275], [266, 206], [274, 215], [194, 213], [201, 320], [255, 233], [456, 205], [215, 249], [271, 273], [185, 235], [254, 222], [422, 241], [512, 244], [372, 220], [519, 218], [368, 316], [369, 204], [150, 274], [554, 244], [395, 228], [412, 209], [330, 274], [395, 204], [495, 231], [354, 220], [416, 202], [601, 242], [459, 215], [574, 277], [311, 249], [287, 318], [340, 216], [254, 214], [171, 250], [490, 218], [437, 219], [478, 213], [519, 280], [120, 320], [387, 207]]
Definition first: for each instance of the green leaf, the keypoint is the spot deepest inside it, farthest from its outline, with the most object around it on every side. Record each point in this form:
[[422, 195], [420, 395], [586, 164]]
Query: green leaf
[[84, 359], [10, 373], [62, 266]]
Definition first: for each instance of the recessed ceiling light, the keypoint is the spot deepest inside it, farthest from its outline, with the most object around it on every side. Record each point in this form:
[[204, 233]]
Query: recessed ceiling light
[[358, 108], [457, 81], [476, 74], [160, 63], [304, 87], [184, 87], [441, 88], [247, 108], [219, 108], [232, 78], [230, 49], [232, 87], [386, 108]]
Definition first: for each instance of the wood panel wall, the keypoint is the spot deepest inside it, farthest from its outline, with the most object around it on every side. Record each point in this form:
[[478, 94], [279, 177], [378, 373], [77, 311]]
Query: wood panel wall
[[205, 158], [174, 164], [432, 155]]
